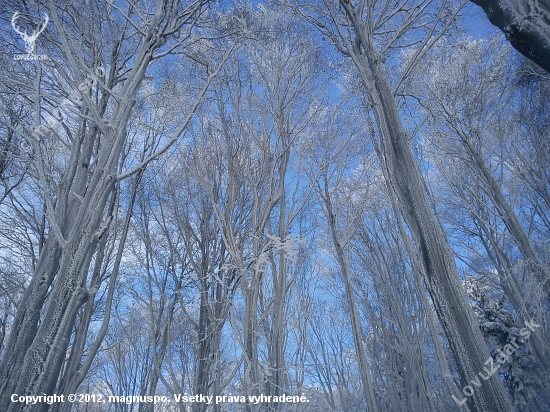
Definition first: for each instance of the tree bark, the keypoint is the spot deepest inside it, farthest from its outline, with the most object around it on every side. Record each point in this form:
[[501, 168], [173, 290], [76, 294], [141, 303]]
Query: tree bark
[[450, 301], [403, 175], [526, 25], [35, 354]]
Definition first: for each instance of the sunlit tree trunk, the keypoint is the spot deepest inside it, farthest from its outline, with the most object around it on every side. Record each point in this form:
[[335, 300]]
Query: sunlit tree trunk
[[402, 172], [35, 352]]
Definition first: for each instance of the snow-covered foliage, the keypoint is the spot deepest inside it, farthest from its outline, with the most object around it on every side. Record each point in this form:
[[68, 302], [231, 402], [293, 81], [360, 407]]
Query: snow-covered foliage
[[343, 200]]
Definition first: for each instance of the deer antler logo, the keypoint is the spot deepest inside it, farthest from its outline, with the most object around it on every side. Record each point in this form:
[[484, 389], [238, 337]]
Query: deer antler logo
[[29, 40]]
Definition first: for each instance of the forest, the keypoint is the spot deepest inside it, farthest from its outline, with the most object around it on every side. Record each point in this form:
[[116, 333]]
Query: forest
[[276, 205]]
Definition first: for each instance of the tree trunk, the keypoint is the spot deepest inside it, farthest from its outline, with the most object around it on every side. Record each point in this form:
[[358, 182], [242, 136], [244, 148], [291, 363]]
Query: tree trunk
[[510, 219], [450, 300], [26, 320], [526, 25], [403, 175], [417, 269], [366, 380], [34, 354]]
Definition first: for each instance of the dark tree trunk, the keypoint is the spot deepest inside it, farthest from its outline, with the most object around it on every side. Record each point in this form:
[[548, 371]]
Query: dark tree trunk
[[526, 25]]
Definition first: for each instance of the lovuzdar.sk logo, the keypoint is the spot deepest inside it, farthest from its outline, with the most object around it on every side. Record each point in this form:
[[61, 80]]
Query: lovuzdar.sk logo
[[29, 39]]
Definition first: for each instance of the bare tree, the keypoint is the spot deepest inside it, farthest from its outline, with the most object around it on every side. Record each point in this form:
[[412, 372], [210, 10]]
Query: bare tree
[[213, 199], [368, 32], [36, 347], [262, 109], [475, 126]]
